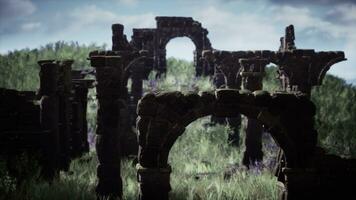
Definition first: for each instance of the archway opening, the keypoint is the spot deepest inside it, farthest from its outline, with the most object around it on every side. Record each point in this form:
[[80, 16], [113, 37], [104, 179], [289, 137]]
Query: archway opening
[[205, 166], [180, 74], [180, 48]]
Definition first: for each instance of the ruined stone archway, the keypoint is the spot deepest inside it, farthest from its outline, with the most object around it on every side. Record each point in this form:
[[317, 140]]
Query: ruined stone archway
[[155, 40], [163, 118]]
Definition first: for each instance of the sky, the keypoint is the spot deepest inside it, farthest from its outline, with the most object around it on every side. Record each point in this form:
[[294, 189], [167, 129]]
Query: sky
[[323, 25]]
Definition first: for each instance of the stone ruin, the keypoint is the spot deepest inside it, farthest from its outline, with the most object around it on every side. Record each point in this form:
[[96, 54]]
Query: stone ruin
[[155, 41], [288, 114], [51, 121], [57, 125]]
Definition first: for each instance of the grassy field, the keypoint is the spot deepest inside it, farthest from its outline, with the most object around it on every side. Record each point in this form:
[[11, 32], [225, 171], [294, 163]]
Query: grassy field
[[199, 159], [204, 165]]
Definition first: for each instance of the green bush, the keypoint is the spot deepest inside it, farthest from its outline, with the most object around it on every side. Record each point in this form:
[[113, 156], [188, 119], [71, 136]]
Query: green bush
[[19, 69], [336, 116]]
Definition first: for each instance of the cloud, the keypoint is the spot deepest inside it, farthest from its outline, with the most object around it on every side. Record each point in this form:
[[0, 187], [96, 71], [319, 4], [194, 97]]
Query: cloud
[[10, 9], [92, 23], [344, 14], [241, 31], [14, 15], [300, 2], [129, 2], [30, 26], [313, 2], [92, 15]]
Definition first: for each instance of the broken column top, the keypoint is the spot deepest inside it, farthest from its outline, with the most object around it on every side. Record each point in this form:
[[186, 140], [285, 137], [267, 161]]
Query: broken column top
[[117, 28], [163, 21], [287, 42]]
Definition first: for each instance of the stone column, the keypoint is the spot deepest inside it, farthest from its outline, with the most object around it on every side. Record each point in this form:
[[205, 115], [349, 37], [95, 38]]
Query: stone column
[[49, 115], [80, 126], [252, 74], [76, 127], [109, 81], [154, 182], [153, 171], [65, 107]]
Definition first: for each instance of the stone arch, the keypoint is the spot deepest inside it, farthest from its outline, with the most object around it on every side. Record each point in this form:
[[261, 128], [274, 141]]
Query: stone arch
[[328, 63], [172, 27], [163, 118], [141, 66], [138, 69]]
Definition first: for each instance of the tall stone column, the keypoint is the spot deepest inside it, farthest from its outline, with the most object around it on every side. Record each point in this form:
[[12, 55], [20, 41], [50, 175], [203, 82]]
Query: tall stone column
[[109, 80], [49, 115], [252, 74], [65, 107], [233, 81], [79, 105]]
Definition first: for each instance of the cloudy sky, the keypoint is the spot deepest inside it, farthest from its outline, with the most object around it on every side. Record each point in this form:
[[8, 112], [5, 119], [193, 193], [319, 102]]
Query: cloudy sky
[[232, 24]]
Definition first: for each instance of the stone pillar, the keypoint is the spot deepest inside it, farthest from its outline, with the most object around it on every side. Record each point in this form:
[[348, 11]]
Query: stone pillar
[[154, 182], [153, 171], [65, 107], [80, 128], [109, 82], [252, 74], [230, 68], [76, 128], [233, 81], [49, 115]]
